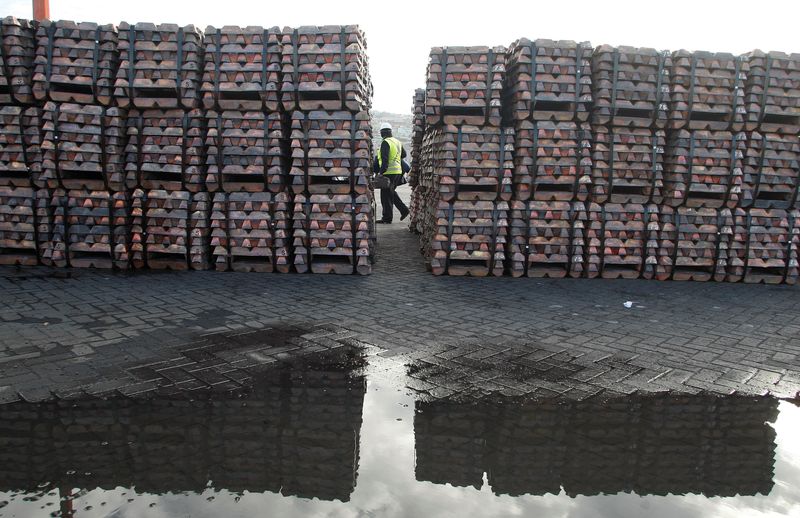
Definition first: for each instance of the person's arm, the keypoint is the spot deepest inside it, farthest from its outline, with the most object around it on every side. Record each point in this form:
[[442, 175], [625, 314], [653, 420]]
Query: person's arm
[[403, 152], [375, 166], [384, 157]]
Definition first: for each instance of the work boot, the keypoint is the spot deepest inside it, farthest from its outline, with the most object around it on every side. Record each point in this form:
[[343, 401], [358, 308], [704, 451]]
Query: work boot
[[383, 222]]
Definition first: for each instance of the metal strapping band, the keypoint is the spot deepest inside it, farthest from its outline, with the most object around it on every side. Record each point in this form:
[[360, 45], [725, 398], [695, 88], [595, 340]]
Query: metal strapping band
[[179, 64], [217, 63], [95, 58], [533, 75], [488, 95], [526, 251], [676, 242], [749, 221], [459, 141], [131, 59], [103, 165], [343, 74], [614, 79], [759, 175], [692, 79], [354, 243], [764, 93], [688, 183], [220, 152], [51, 34], [264, 40], [184, 138], [662, 58], [443, 84], [736, 89], [450, 217]]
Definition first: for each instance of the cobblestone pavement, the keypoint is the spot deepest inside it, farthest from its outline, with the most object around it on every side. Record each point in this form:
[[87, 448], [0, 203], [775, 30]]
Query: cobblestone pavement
[[67, 331]]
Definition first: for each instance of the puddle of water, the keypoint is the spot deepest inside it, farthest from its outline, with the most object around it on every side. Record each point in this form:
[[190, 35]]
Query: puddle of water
[[330, 438]]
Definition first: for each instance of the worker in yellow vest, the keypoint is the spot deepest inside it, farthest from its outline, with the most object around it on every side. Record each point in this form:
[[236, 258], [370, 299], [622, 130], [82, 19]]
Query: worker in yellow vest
[[389, 163]]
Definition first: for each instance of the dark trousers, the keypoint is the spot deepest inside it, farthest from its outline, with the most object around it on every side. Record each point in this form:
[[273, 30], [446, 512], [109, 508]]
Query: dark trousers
[[390, 198]]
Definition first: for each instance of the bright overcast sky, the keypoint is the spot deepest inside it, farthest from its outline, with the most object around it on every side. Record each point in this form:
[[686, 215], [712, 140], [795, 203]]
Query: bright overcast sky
[[400, 34]]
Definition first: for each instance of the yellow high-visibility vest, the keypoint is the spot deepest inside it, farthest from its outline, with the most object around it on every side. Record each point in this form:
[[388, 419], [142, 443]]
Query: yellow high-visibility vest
[[395, 152]]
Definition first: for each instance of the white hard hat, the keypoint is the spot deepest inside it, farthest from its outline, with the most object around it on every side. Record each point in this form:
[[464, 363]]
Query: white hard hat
[[385, 125]]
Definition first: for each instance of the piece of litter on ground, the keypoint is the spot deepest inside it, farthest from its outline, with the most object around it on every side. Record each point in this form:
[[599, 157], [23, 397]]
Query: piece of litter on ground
[[628, 304]]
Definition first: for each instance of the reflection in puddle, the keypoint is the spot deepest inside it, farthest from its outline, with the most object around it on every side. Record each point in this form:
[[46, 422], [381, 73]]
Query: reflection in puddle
[[646, 445], [330, 437]]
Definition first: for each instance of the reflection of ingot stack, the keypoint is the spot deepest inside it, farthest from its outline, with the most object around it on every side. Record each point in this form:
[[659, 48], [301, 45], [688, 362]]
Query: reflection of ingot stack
[[716, 446], [296, 430], [449, 443]]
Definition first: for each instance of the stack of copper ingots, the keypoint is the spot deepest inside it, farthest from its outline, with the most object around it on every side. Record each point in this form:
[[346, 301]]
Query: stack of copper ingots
[[766, 234], [165, 149], [19, 148], [160, 66], [325, 68], [17, 51], [326, 92], [23, 209], [465, 85], [631, 98], [703, 165], [694, 243], [333, 210], [88, 228], [24, 223], [75, 62], [170, 229], [124, 139], [83, 173], [764, 246], [159, 79], [621, 240], [246, 154], [464, 167], [242, 68], [547, 99], [250, 231], [417, 135], [546, 238], [20, 141]]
